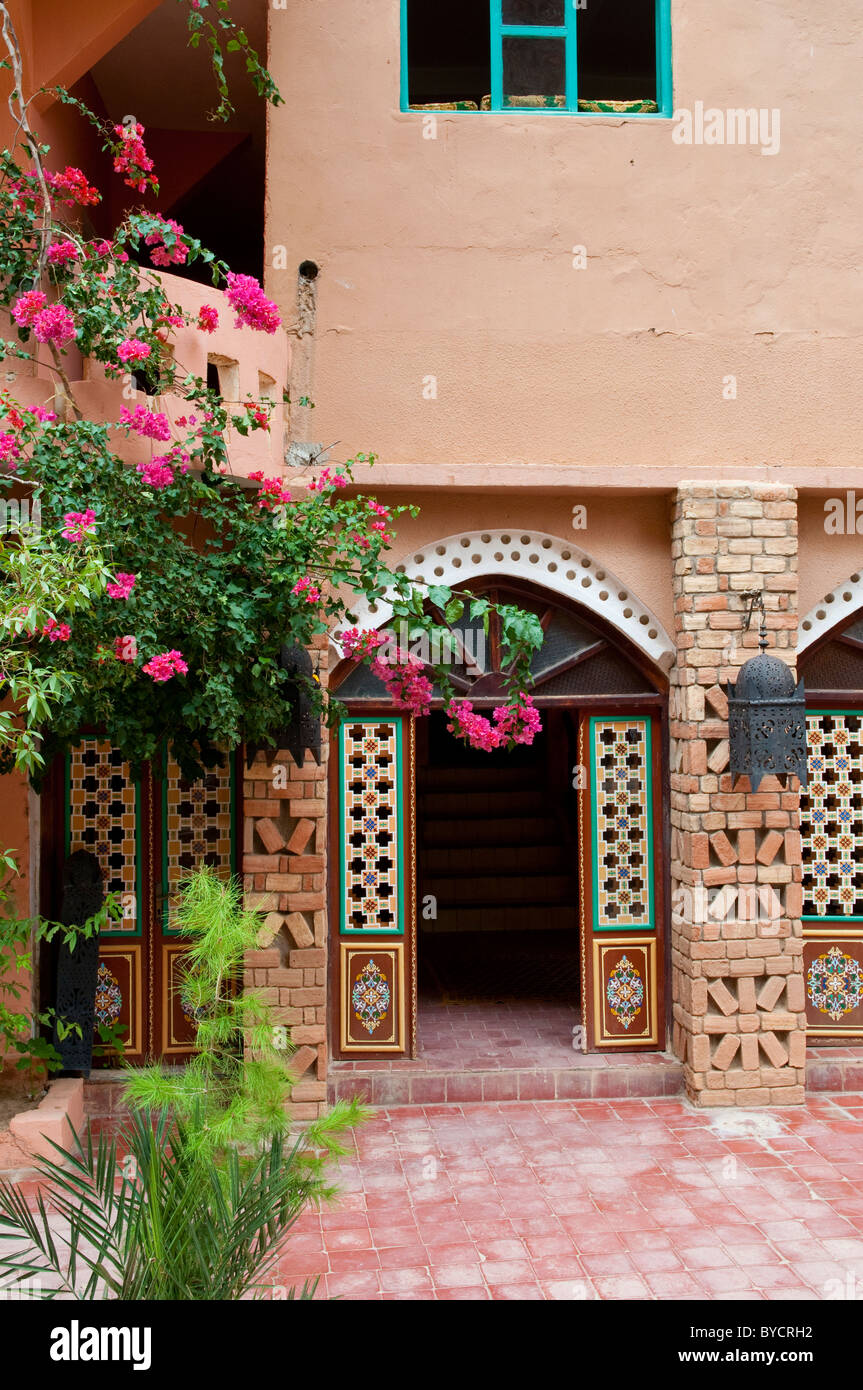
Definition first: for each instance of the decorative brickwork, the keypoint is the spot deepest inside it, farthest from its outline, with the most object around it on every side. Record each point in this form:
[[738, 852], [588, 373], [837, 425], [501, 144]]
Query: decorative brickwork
[[737, 948], [284, 863]]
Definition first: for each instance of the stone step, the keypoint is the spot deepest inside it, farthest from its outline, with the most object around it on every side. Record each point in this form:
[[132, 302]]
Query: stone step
[[514, 830], [469, 803], [457, 860], [834, 1069], [596, 1077]]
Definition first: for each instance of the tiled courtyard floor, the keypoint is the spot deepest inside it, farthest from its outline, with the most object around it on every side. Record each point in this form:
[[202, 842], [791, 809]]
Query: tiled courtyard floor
[[594, 1199]]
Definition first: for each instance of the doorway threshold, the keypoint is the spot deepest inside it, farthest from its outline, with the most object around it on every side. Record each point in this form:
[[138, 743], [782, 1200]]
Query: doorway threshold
[[497, 1050]]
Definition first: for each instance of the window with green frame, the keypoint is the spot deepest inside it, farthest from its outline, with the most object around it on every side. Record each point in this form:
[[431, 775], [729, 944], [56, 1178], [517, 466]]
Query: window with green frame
[[586, 57]]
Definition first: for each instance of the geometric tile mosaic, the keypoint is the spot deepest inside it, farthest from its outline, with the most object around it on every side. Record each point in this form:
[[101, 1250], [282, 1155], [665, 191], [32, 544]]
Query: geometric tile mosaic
[[102, 818], [831, 816], [371, 831], [622, 848], [197, 822]]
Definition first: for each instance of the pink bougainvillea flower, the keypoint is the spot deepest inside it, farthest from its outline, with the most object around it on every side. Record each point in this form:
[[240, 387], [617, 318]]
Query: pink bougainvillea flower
[[328, 480], [157, 473], [258, 417], [273, 493], [162, 254], [54, 325], [208, 318], [148, 423], [517, 723], [305, 588], [166, 665], [71, 184], [45, 417], [132, 159], [250, 304], [405, 679], [62, 253], [132, 350], [122, 586], [77, 524], [357, 643], [402, 674], [56, 632], [27, 306], [9, 451], [126, 648]]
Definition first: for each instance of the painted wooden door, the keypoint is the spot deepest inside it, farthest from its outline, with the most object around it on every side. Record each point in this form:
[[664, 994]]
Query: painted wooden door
[[147, 835], [374, 972], [831, 824], [620, 846]]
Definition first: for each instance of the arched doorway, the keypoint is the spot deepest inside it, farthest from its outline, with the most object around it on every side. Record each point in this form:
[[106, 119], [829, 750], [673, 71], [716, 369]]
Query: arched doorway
[[484, 897], [831, 827]]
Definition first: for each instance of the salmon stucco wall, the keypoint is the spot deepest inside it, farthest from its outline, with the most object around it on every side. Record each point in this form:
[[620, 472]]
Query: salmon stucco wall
[[629, 536], [446, 263]]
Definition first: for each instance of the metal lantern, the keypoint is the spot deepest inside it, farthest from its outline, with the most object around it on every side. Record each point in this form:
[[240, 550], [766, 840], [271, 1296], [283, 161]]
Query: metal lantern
[[304, 729], [766, 717]]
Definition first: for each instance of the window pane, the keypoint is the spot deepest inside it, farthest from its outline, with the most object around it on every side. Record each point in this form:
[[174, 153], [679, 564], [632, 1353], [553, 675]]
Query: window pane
[[533, 11], [534, 72], [448, 51], [617, 50]]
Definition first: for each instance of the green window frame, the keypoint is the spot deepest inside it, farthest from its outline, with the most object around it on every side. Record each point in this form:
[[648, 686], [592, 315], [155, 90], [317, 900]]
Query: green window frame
[[568, 31]]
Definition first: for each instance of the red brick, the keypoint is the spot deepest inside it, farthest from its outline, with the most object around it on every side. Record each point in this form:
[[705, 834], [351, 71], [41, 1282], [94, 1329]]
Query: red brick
[[769, 847], [302, 833], [301, 1060], [725, 851], [271, 836], [302, 959]]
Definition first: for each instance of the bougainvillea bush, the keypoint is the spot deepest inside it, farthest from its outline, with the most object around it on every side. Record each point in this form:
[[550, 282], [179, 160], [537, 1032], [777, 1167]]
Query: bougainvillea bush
[[206, 575]]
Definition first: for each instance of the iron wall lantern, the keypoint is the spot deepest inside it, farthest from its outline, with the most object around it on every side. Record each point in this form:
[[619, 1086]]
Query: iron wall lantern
[[766, 716], [303, 731]]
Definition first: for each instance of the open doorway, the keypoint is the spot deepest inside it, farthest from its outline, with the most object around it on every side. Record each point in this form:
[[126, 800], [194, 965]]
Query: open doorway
[[498, 962]]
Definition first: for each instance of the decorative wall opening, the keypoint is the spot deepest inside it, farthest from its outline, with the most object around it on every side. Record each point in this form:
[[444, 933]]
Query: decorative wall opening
[[530, 883]]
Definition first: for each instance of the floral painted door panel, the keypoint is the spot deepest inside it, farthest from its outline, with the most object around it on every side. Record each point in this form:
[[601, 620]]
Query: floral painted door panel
[[621, 891], [147, 835], [831, 826], [374, 965]]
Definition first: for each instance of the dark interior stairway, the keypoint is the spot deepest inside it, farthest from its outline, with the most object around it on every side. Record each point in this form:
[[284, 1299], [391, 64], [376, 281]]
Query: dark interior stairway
[[497, 851]]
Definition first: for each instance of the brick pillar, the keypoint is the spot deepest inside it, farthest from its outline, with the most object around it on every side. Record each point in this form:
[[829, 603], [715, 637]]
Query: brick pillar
[[737, 956], [284, 863]]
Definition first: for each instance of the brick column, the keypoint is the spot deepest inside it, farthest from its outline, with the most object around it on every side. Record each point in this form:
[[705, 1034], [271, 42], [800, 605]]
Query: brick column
[[284, 863], [737, 948]]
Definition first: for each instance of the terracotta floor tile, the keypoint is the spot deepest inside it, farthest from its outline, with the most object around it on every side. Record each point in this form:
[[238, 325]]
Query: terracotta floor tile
[[456, 1276]]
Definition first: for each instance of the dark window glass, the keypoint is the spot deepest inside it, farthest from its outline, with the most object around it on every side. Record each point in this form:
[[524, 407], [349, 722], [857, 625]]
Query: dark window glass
[[533, 68], [533, 12], [617, 50], [448, 51]]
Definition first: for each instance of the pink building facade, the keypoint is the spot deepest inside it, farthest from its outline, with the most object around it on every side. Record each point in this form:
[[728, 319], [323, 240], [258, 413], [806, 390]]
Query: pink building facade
[[588, 294]]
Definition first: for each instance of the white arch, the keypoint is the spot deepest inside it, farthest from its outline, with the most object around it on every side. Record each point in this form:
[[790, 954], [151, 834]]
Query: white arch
[[547, 560], [842, 602]]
